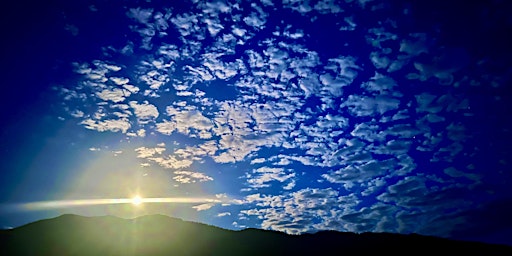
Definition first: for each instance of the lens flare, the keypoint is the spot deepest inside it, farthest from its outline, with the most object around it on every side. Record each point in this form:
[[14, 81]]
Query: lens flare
[[137, 200]]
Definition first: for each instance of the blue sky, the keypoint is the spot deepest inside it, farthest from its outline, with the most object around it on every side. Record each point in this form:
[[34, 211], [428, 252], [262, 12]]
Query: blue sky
[[296, 116]]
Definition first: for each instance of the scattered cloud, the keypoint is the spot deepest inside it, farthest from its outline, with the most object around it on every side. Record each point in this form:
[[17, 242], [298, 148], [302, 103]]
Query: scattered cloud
[[315, 132], [190, 177], [223, 214], [203, 207]]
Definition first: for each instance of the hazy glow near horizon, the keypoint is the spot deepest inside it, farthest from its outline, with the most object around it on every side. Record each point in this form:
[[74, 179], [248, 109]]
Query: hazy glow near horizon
[[41, 205]]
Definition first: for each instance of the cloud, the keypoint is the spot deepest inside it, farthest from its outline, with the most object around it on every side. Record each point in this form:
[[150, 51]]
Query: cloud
[[115, 95], [172, 162], [416, 45], [301, 119], [186, 23], [166, 127], [141, 133], [255, 20], [186, 120], [361, 173], [144, 152], [119, 80], [380, 83], [302, 7], [203, 207], [140, 14], [77, 113], [453, 172], [296, 212], [261, 177], [113, 125], [223, 214], [145, 112], [369, 106], [190, 177]]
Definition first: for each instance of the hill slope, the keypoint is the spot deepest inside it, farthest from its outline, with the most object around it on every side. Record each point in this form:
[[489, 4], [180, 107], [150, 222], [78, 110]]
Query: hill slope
[[162, 235]]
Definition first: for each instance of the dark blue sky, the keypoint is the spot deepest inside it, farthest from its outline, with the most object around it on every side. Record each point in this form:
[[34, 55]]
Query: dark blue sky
[[296, 116]]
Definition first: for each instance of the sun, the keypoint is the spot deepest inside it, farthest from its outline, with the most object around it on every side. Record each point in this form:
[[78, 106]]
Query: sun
[[136, 200]]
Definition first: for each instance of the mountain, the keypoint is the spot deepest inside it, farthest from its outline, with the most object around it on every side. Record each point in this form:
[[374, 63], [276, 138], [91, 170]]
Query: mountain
[[163, 235]]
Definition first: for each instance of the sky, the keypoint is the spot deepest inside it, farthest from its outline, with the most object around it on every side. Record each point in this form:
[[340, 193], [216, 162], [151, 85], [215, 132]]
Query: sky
[[294, 116]]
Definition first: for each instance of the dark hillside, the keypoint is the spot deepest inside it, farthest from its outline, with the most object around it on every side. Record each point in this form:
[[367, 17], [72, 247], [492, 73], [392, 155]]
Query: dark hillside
[[162, 235]]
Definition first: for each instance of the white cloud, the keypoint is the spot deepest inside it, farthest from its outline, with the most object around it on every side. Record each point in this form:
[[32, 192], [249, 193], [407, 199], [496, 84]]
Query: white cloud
[[370, 132], [172, 162], [203, 207], [186, 23], [380, 83], [223, 214], [258, 161], [115, 95], [214, 26], [255, 20], [191, 177], [141, 133], [77, 113], [185, 120], [302, 7], [369, 106], [295, 212], [166, 127], [144, 152], [261, 177], [131, 88], [139, 14], [240, 32], [119, 80], [145, 112], [201, 73], [155, 79], [113, 125]]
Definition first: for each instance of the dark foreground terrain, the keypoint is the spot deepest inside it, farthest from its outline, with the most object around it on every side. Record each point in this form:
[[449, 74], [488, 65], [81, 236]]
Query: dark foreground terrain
[[162, 235]]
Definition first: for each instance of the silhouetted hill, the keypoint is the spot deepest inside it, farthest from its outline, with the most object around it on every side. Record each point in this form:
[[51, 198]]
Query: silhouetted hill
[[162, 235]]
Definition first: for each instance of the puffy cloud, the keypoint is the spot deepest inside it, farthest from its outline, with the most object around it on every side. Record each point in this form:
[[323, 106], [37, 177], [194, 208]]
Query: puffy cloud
[[145, 112], [166, 127], [115, 95], [369, 106], [288, 110], [144, 152], [113, 125], [380, 83], [186, 120], [261, 177], [296, 212], [255, 20], [223, 214], [186, 23], [203, 207], [140, 14], [190, 177], [172, 162], [119, 80], [361, 173]]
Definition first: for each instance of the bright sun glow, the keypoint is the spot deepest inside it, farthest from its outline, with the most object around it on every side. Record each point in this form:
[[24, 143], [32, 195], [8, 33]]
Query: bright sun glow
[[136, 200]]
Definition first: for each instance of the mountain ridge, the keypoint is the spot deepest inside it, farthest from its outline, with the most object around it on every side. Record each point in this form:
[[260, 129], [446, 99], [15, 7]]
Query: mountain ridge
[[71, 234]]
